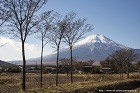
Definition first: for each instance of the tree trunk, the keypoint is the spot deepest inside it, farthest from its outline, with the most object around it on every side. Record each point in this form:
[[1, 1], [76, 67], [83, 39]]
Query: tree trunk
[[71, 64], [67, 70], [128, 69], [120, 75], [24, 66], [41, 65], [57, 65], [122, 71]]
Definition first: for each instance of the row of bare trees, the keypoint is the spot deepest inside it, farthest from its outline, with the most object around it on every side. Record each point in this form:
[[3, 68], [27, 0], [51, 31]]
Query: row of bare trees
[[21, 21], [57, 29], [121, 60]]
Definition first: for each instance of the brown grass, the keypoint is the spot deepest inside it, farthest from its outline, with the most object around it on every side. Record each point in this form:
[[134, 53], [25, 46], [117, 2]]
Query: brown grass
[[12, 82]]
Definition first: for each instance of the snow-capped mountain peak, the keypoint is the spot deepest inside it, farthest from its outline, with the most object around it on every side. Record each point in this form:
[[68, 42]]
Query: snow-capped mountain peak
[[92, 39], [98, 39]]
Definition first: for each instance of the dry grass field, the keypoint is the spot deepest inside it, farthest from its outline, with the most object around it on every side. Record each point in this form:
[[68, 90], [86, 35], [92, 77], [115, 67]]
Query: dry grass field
[[12, 82]]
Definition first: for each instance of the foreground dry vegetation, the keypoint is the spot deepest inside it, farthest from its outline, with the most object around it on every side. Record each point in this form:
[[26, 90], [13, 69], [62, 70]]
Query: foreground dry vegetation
[[11, 82]]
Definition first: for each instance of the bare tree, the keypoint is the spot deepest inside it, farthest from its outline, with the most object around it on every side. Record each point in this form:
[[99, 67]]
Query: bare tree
[[109, 63], [22, 22], [138, 66], [74, 30], [65, 63], [105, 63], [121, 60], [90, 62], [129, 58], [43, 30], [118, 60], [56, 36]]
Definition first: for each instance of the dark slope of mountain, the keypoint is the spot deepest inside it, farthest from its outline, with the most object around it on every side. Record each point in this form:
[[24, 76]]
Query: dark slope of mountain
[[94, 47], [6, 64]]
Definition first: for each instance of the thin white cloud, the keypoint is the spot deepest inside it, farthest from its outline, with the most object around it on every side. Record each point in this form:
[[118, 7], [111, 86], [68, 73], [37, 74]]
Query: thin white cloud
[[16, 45], [12, 49]]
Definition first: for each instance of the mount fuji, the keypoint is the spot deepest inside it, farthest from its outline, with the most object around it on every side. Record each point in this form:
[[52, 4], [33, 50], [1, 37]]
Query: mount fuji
[[94, 47]]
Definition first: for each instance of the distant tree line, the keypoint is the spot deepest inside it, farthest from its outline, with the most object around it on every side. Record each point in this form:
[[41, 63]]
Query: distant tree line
[[10, 69]]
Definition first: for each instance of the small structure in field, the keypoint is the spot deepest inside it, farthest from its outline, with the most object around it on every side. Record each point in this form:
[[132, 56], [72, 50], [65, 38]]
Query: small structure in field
[[106, 70]]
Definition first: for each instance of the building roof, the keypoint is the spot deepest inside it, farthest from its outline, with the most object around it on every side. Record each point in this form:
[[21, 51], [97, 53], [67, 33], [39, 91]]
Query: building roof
[[106, 68]]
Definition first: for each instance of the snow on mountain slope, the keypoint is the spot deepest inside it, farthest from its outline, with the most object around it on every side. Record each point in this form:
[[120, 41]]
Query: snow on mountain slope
[[99, 42], [97, 38]]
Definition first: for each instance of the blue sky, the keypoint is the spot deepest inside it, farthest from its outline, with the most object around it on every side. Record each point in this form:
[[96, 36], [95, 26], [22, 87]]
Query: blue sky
[[118, 20]]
